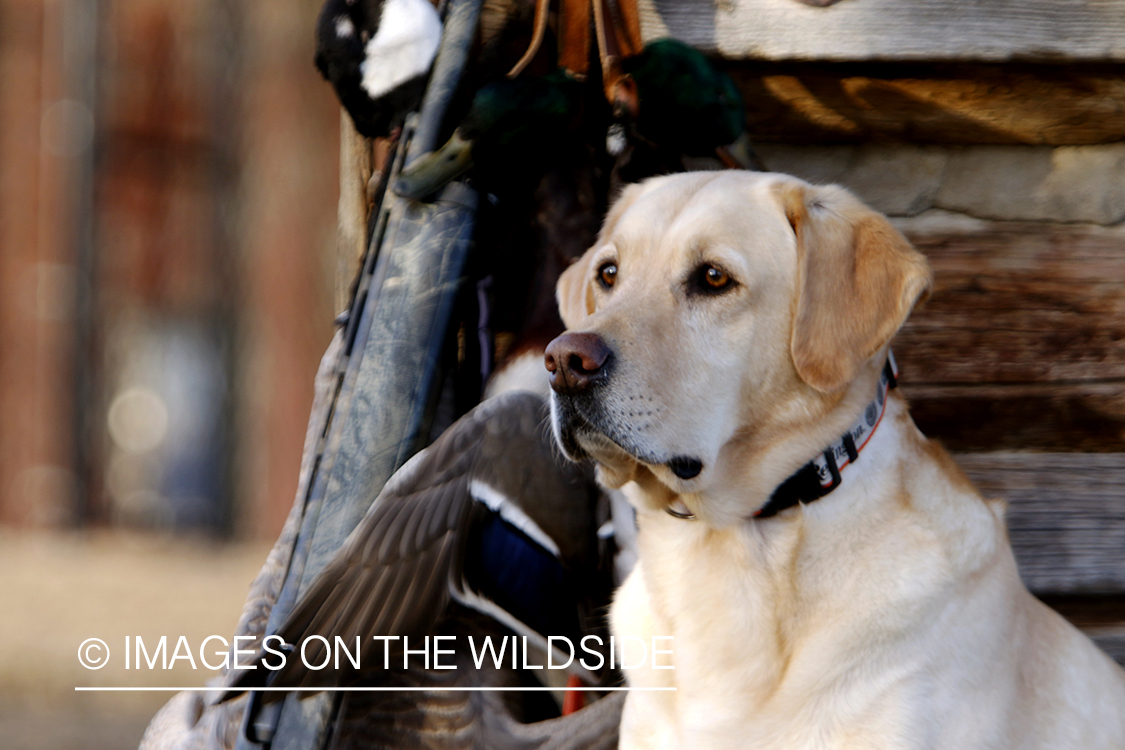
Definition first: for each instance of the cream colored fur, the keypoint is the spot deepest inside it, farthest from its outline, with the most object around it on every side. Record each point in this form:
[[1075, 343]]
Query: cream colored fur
[[889, 614]]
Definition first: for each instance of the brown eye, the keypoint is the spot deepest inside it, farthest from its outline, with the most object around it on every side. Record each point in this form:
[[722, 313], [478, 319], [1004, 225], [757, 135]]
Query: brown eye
[[716, 278], [709, 280], [607, 274]]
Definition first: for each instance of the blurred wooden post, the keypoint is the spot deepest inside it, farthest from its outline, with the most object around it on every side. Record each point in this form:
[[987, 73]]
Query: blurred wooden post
[[44, 185]]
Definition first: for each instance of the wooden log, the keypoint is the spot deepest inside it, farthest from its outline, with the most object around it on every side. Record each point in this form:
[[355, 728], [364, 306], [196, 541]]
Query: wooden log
[[1022, 344], [1066, 516], [1089, 612], [1110, 639], [1041, 417], [1061, 184], [1100, 617], [932, 103], [1017, 302], [945, 30]]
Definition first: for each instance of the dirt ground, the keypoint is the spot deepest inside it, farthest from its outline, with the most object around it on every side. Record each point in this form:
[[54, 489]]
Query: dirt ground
[[61, 589]]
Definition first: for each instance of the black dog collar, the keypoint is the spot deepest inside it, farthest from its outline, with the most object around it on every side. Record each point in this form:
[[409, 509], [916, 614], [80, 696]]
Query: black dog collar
[[820, 476]]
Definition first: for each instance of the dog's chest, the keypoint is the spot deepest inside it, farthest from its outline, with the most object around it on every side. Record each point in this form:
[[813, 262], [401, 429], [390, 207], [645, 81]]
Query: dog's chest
[[701, 588], [747, 672]]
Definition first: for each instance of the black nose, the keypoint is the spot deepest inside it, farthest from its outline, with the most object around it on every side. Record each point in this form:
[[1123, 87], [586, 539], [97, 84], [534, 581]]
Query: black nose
[[577, 362]]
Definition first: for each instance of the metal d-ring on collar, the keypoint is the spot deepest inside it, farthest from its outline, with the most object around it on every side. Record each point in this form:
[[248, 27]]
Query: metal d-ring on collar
[[687, 516], [820, 476]]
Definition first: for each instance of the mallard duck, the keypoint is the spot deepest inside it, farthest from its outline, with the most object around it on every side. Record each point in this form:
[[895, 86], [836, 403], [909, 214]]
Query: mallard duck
[[672, 101], [509, 136], [488, 529], [376, 54], [432, 719], [668, 102]]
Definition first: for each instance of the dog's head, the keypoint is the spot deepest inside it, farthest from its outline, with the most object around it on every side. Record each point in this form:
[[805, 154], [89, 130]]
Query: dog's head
[[725, 327]]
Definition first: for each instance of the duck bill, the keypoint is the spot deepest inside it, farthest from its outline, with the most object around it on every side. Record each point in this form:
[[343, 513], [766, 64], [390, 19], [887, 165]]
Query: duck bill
[[740, 155], [430, 172]]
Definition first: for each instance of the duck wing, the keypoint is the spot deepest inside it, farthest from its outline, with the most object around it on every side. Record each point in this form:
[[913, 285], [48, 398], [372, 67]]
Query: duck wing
[[394, 573]]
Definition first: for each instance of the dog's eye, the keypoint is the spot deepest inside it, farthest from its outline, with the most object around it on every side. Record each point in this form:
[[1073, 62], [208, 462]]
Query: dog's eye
[[607, 274], [716, 278], [709, 279]]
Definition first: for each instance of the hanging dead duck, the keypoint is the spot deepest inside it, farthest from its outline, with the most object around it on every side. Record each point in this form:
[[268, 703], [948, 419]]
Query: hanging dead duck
[[377, 54], [488, 520], [671, 101], [509, 125]]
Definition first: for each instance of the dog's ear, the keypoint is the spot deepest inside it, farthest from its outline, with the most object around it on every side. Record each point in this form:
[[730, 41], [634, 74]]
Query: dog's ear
[[573, 292], [857, 281]]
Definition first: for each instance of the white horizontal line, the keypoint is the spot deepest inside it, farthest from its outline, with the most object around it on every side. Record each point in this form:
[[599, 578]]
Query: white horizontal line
[[369, 689]]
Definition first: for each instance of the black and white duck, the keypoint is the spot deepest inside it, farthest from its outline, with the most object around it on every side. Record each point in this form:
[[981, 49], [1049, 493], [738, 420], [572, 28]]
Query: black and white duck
[[377, 54]]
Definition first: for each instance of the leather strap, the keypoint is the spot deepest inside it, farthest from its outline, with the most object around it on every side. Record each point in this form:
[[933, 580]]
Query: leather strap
[[574, 37], [618, 36], [613, 45], [542, 11], [632, 43]]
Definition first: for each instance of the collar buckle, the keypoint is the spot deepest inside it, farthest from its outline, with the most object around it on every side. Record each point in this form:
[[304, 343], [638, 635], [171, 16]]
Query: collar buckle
[[833, 472]]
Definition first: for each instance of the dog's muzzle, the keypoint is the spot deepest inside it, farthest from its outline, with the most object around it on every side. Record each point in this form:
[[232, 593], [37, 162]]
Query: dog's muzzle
[[578, 365], [577, 362]]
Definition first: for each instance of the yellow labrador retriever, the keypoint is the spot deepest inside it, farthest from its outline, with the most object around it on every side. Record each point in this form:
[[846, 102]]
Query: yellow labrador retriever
[[830, 577]]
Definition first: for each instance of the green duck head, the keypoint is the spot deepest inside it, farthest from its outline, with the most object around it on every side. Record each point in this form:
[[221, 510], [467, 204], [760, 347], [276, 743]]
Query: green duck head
[[680, 100]]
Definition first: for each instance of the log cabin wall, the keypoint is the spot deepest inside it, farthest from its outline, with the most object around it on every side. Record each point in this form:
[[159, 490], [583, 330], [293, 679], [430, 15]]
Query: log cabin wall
[[993, 134]]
